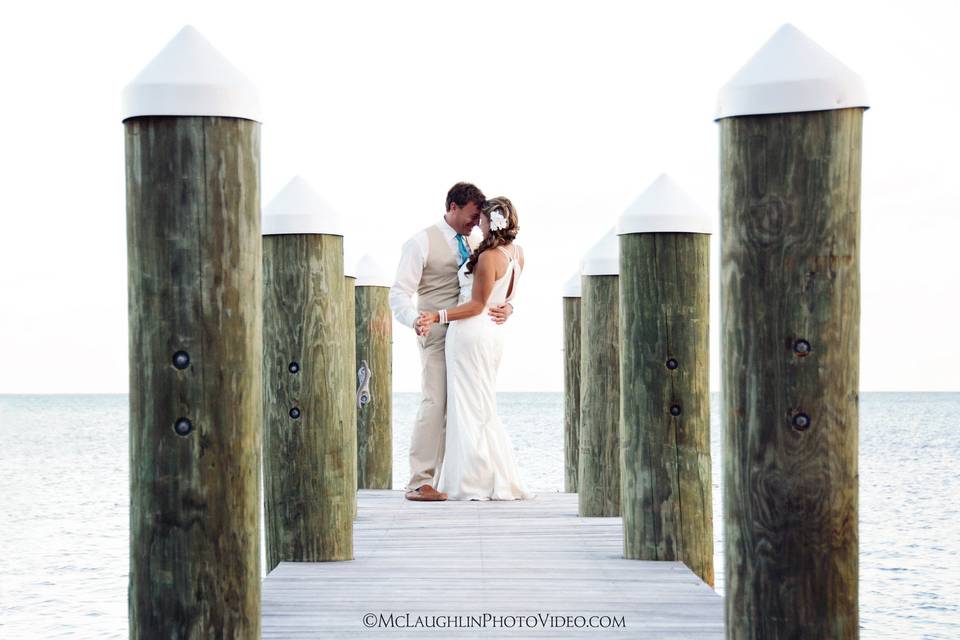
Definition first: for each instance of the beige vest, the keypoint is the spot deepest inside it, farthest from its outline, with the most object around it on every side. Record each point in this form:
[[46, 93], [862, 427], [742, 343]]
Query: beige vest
[[439, 287]]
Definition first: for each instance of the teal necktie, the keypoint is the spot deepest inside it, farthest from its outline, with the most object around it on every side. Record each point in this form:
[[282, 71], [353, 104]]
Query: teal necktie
[[464, 254]]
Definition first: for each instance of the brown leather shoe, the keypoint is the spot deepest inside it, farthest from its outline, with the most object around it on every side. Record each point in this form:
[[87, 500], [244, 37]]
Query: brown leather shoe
[[425, 493]]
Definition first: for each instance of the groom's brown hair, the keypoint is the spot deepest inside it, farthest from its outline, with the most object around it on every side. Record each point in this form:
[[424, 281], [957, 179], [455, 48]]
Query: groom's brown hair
[[463, 193]]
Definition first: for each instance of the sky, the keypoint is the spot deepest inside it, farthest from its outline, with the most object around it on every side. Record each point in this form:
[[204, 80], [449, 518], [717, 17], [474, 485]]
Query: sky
[[570, 109]]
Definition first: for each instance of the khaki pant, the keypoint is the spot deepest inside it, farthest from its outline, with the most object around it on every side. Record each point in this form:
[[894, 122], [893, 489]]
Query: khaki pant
[[429, 430]]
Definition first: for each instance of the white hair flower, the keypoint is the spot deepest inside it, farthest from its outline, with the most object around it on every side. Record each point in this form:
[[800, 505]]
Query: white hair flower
[[497, 220]]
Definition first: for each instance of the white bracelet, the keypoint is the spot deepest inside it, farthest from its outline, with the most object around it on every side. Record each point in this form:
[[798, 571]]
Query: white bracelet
[[443, 316]]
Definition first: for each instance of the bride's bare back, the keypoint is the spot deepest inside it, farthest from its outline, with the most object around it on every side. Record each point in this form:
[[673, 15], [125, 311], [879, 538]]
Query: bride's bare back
[[493, 265]]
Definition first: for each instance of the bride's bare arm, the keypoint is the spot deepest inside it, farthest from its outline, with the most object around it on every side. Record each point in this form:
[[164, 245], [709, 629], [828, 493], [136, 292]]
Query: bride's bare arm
[[484, 275]]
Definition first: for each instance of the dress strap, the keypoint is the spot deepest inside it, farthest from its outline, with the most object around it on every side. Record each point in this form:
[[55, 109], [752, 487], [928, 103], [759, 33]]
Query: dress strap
[[504, 252]]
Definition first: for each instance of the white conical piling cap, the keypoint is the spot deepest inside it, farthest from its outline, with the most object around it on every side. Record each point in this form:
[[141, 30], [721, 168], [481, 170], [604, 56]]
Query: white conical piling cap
[[790, 73], [298, 209], [664, 207], [571, 288], [349, 267], [349, 258], [370, 274], [191, 78], [603, 259]]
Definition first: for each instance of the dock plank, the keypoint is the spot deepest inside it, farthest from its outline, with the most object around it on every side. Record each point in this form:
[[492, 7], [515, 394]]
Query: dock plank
[[508, 561]]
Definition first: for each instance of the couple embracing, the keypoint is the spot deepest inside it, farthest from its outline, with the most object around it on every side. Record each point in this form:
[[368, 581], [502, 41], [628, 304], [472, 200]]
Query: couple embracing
[[459, 448]]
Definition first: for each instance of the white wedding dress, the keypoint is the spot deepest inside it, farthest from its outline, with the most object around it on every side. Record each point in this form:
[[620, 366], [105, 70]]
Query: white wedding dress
[[478, 461]]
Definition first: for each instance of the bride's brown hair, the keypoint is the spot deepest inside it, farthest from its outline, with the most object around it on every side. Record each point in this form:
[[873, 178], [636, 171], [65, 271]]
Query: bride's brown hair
[[500, 237]]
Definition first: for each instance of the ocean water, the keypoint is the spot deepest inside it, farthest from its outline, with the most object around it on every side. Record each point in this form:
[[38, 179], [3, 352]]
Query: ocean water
[[65, 499]]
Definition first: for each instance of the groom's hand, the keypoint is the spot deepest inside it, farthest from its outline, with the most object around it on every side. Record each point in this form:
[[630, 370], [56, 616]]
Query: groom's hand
[[501, 312]]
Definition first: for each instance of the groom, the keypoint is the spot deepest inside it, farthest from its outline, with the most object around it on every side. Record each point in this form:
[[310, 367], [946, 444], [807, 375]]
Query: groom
[[428, 267]]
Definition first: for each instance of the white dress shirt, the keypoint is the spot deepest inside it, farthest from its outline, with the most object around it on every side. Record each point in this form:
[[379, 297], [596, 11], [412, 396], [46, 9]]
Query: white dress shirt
[[413, 258]]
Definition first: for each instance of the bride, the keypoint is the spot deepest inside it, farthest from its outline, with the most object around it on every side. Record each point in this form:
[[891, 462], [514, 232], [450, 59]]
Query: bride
[[478, 462]]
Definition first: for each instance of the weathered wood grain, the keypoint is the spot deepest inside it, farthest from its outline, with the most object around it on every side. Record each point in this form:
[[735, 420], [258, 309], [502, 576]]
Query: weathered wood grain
[[309, 486], [598, 482], [666, 491], [790, 269], [571, 393], [194, 278], [374, 324], [350, 389], [513, 558]]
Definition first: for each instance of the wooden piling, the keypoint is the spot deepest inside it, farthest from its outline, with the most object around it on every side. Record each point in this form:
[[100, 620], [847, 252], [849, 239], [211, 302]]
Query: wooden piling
[[666, 491], [374, 325], [308, 463], [598, 482], [790, 320], [571, 383], [194, 278], [350, 400]]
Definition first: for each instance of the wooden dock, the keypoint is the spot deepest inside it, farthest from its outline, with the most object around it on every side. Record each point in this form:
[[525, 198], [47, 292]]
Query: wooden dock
[[533, 565]]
